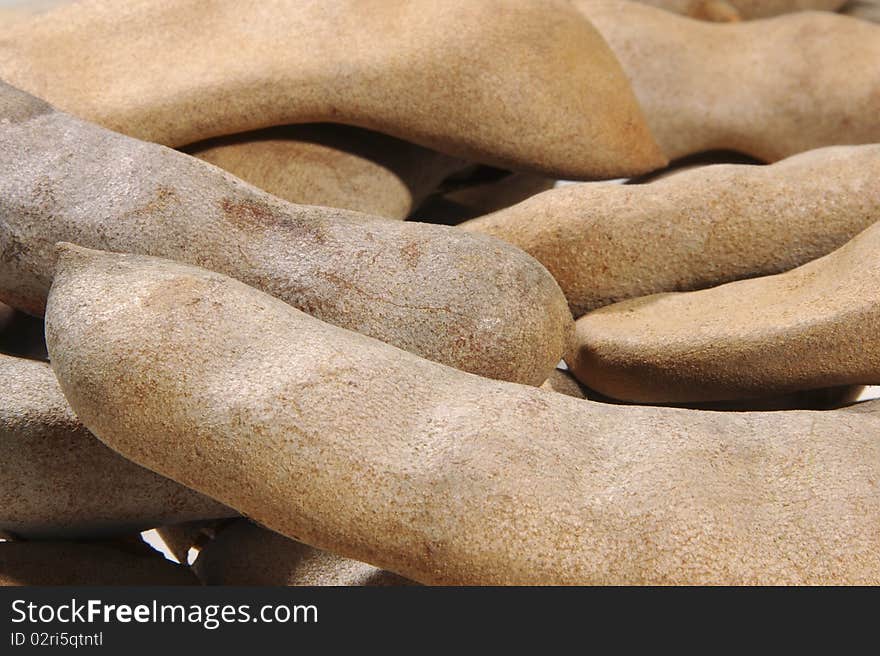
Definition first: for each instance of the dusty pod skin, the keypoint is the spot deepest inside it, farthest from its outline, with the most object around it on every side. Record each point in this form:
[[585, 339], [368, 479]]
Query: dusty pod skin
[[350, 61], [356, 447], [468, 301], [734, 10], [245, 554], [334, 166], [822, 89], [58, 481], [815, 326], [87, 563], [606, 243], [864, 9]]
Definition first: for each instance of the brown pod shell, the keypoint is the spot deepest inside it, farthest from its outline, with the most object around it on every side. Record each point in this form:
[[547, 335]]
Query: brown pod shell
[[356, 447], [526, 85], [57, 480], [812, 327], [467, 301]]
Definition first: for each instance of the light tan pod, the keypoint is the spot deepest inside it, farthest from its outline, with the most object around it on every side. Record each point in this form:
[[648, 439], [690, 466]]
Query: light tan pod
[[733, 10], [522, 85], [57, 480], [768, 88], [815, 326], [334, 166], [354, 446], [245, 554], [606, 243], [863, 9], [87, 563], [468, 301]]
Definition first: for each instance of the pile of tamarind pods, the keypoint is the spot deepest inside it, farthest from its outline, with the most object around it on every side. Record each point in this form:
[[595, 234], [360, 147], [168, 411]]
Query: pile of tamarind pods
[[298, 287]]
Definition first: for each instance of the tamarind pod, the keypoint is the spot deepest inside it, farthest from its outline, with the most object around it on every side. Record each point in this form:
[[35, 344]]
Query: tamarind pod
[[332, 165], [526, 85], [814, 326], [700, 89], [464, 300], [353, 446], [57, 480], [606, 243]]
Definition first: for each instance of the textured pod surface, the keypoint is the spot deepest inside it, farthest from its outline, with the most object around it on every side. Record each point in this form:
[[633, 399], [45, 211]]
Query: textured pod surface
[[732, 10], [87, 563], [57, 480], [526, 85], [332, 165], [815, 326], [820, 87], [245, 554], [468, 301], [356, 447], [705, 226]]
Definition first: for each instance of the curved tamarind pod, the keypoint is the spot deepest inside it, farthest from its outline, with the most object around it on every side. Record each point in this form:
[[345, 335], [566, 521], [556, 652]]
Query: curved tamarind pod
[[464, 300], [333, 166], [822, 89], [705, 226], [57, 480], [245, 554], [353, 446], [863, 9], [526, 85], [734, 10], [815, 326], [87, 563]]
